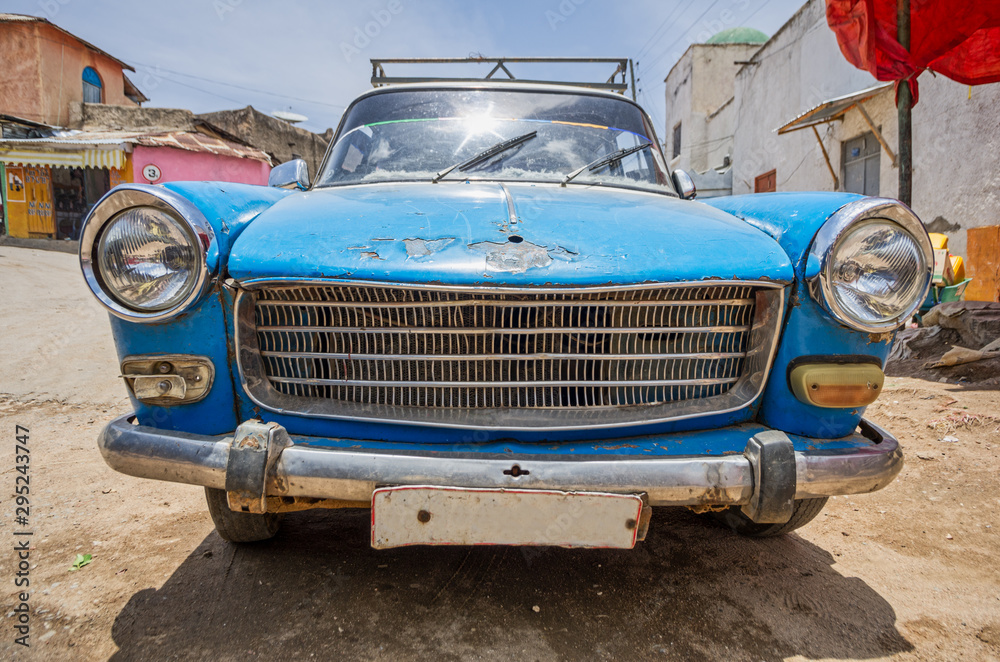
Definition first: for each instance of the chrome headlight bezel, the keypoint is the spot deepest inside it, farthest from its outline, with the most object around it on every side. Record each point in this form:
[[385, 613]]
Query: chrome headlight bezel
[[199, 230], [820, 260]]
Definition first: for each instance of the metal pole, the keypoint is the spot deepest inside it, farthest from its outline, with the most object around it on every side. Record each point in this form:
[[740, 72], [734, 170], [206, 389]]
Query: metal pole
[[903, 105], [631, 68]]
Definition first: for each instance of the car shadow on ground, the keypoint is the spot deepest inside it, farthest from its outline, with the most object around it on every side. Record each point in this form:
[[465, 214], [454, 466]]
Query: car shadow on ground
[[692, 590]]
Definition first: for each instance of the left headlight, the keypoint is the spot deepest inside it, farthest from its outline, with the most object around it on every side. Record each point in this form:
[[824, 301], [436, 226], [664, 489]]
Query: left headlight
[[146, 253], [870, 265]]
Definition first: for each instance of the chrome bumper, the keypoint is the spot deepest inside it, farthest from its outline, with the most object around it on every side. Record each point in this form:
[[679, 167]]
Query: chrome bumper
[[353, 475]]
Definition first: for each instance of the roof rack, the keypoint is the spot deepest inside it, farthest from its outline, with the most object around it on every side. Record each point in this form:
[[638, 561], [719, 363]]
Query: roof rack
[[623, 66]]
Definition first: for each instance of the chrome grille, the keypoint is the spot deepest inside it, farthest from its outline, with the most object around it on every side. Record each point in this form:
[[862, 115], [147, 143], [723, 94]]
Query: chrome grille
[[403, 350]]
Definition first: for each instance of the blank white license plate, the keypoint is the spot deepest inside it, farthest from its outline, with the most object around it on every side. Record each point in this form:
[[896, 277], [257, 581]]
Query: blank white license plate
[[428, 515]]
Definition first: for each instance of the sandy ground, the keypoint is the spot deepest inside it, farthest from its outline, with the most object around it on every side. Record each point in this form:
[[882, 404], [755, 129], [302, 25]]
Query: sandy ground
[[908, 573]]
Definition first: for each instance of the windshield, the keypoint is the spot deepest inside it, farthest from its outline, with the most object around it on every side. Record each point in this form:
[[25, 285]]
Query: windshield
[[506, 135]]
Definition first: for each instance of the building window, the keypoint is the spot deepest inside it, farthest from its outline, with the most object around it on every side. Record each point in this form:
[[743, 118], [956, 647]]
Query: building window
[[860, 164], [766, 183], [91, 86], [677, 141]]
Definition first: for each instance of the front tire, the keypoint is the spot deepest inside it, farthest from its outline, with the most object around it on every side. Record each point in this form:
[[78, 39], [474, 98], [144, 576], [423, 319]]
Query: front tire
[[239, 527], [803, 512]]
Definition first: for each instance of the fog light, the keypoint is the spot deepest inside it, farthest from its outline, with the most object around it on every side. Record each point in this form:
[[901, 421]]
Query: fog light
[[837, 385], [168, 379]]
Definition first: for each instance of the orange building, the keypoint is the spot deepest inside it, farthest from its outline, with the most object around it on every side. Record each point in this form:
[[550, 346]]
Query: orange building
[[44, 70]]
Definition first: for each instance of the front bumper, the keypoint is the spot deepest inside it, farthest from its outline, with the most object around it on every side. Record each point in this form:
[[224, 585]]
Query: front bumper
[[861, 463]]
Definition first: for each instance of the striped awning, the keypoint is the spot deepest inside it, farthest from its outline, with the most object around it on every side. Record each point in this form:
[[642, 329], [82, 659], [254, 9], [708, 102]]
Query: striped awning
[[81, 158]]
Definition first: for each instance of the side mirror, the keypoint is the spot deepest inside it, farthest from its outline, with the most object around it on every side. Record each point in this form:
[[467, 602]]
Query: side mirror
[[682, 182], [290, 174]]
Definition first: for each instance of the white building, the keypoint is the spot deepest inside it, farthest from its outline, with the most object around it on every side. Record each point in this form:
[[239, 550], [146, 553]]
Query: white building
[[798, 82], [700, 110]]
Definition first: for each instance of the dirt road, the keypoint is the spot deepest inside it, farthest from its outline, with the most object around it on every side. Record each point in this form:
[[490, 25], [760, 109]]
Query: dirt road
[[908, 573]]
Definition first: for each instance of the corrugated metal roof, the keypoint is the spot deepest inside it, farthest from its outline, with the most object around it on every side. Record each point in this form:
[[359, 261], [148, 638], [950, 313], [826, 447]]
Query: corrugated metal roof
[[78, 138], [187, 140], [199, 142]]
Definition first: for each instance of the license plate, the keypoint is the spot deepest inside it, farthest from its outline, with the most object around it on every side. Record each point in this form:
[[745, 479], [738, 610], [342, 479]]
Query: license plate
[[429, 515]]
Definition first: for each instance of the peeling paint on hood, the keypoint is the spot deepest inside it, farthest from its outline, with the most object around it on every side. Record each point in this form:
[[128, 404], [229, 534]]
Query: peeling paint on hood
[[424, 247], [516, 258]]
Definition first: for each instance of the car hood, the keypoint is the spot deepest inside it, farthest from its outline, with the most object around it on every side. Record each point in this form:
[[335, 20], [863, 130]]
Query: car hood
[[515, 234]]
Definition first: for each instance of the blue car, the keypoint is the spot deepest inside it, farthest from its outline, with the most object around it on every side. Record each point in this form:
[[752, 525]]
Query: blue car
[[495, 317]]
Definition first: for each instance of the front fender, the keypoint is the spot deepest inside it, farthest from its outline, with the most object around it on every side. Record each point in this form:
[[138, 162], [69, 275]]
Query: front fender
[[793, 219]]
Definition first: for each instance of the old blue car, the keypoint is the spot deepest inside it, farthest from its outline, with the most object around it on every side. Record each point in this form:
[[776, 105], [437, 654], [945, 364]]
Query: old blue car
[[495, 317]]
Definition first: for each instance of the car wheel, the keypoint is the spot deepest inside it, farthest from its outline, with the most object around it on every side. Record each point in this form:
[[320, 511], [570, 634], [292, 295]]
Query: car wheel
[[239, 527], [803, 512]]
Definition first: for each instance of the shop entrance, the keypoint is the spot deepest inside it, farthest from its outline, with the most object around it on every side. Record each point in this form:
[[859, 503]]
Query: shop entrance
[[74, 193]]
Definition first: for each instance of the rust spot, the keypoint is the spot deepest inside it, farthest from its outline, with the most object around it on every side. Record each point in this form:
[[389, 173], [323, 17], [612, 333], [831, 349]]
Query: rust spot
[[617, 447], [874, 338], [706, 508]]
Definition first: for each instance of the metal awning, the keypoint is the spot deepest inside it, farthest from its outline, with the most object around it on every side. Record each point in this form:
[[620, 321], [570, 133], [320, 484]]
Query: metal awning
[[63, 158], [833, 109]]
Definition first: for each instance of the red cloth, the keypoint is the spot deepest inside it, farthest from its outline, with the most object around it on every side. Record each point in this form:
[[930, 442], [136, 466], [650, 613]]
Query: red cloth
[[957, 38]]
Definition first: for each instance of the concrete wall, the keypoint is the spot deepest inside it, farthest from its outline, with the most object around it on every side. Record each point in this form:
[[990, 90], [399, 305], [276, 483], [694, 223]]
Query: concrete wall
[[182, 165], [104, 117], [956, 139], [699, 91], [41, 72], [955, 182], [679, 84]]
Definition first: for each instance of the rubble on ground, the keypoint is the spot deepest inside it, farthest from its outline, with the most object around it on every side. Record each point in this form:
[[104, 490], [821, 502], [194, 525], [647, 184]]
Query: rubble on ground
[[956, 342]]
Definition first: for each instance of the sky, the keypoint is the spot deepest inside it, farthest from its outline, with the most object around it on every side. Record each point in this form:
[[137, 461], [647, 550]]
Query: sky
[[312, 57]]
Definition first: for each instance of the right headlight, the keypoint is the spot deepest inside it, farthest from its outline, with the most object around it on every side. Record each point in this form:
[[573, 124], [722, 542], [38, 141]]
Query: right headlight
[[147, 253], [870, 265]]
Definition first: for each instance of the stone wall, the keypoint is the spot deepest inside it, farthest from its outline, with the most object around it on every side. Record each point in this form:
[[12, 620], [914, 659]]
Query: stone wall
[[276, 137]]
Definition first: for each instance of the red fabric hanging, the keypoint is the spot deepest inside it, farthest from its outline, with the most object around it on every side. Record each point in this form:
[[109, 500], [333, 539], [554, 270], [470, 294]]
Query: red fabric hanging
[[957, 38]]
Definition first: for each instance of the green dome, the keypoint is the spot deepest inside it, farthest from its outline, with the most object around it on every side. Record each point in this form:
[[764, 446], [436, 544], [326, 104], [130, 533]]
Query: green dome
[[738, 36]]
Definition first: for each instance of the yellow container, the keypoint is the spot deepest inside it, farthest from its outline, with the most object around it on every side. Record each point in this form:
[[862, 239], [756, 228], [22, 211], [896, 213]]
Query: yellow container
[[957, 267], [938, 240]]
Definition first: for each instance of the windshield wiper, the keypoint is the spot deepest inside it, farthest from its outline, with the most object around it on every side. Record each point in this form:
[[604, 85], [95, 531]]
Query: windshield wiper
[[485, 155], [597, 164]]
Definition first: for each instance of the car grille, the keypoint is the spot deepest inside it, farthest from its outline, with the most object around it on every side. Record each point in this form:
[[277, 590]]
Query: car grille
[[398, 352]]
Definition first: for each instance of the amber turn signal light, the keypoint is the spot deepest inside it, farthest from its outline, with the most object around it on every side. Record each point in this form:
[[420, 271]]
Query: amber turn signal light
[[837, 385]]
